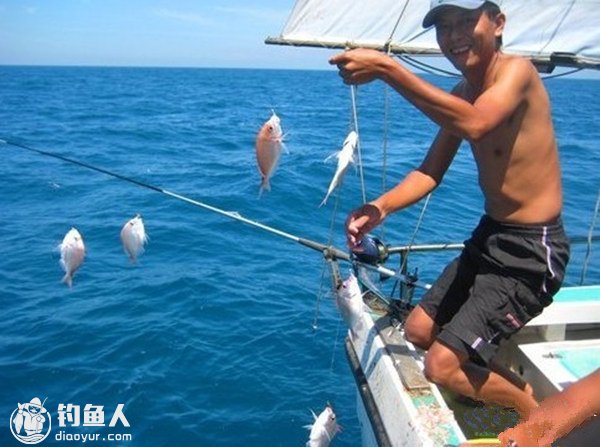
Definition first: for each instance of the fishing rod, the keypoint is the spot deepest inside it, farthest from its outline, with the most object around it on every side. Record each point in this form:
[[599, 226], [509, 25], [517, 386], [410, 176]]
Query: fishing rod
[[328, 251]]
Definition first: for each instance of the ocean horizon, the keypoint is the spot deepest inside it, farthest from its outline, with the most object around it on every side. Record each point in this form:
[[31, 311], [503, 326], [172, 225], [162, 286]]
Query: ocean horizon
[[563, 73]]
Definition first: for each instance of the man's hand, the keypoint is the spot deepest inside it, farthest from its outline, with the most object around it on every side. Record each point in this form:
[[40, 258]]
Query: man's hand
[[361, 65], [525, 435], [360, 222]]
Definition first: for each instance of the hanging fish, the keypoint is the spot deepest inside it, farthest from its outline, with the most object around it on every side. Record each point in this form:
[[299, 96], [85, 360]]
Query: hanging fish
[[323, 429], [269, 143], [345, 156], [134, 237], [72, 252], [349, 301]]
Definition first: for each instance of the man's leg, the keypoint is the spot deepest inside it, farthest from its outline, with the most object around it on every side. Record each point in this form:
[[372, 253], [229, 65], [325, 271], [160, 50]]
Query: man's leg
[[511, 376], [452, 369], [420, 329]]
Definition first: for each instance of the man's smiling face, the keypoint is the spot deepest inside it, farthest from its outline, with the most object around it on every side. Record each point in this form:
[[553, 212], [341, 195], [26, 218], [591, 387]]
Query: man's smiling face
[[467, 37]]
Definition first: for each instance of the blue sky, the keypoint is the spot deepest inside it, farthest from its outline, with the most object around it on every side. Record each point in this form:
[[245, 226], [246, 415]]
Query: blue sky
[[196, 33], [171, 33]]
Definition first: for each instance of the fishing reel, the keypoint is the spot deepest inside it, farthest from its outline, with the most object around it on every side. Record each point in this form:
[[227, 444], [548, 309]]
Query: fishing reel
[[370, 250]]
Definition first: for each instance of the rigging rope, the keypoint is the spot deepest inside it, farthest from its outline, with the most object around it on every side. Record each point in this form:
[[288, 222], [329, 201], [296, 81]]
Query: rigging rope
[[386, 125], [560, 75], [389, 41], [419, 65], [589, 240], [552, 34], [430, 69], [414, 235]]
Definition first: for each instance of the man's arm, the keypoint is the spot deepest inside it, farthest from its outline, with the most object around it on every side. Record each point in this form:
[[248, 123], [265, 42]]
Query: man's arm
[[424, 179], [465, 120], [416, 185]]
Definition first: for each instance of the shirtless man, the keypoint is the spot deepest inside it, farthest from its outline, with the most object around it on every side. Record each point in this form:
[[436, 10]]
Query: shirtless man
[[514, 261]]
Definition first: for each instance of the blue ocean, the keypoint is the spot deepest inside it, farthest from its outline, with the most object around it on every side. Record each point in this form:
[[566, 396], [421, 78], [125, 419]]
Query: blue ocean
[[221, 334]]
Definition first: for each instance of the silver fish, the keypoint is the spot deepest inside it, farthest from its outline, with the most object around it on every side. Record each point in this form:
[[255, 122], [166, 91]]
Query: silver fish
[[349, 301], [345, 156], [133, 237], [72, 252], [269, 143], [323, 429]]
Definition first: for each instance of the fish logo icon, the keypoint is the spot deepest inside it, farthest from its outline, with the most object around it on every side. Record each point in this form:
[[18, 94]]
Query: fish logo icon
[[30, 423]]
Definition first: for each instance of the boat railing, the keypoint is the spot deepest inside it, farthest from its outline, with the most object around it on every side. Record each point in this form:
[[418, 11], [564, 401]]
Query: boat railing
[[410, 281], [404, 249]]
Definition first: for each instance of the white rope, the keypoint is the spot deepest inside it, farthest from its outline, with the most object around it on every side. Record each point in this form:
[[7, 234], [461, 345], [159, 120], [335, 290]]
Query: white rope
[[386, 101], [353, 90]]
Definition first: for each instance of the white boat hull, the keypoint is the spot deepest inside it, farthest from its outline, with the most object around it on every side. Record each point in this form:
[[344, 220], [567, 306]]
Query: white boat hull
[[393, 414]]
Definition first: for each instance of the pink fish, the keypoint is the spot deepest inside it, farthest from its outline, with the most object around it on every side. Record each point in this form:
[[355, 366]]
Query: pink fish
[[133, 236], [269, 142], [72, 252]]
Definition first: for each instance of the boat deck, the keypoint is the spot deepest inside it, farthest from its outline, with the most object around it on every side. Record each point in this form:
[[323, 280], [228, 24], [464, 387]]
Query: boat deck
[[561, 345], [572, 305], [564, 362]]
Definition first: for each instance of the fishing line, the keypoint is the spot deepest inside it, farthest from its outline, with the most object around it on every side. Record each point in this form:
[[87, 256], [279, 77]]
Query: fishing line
[[405, 254], [323, 266], [231, 214], [589, 240], [315, 324], [331, 229], [416, 230], [335, 343], [328, 251], [329, 243]]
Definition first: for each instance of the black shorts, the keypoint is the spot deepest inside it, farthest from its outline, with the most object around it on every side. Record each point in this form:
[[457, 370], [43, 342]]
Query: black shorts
[[504, 277]]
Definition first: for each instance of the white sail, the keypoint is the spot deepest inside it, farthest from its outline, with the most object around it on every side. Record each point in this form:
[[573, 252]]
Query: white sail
[[564, 32]]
